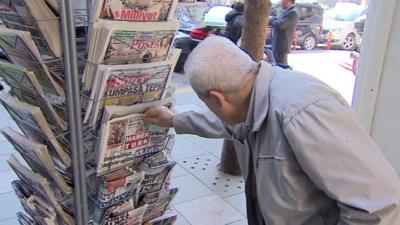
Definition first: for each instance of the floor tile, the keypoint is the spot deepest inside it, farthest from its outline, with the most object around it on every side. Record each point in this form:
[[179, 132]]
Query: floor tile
[[222, 184], [200, 164], [11, 221], [184, 148], [238, 202], [240, 222], [212, 146], [6, 178], [179, 171], [189, 189], [211, 210], [181, 220], [13, 206]]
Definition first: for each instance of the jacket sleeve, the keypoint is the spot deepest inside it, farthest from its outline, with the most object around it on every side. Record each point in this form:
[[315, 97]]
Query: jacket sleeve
[[289, 20], [203, 124], [343, 161]]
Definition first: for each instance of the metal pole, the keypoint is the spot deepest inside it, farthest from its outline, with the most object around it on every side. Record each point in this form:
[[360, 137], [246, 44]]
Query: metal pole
[[74, 111]]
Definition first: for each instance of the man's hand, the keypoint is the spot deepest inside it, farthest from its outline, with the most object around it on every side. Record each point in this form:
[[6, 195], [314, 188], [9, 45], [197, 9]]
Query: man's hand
[[159, 115]]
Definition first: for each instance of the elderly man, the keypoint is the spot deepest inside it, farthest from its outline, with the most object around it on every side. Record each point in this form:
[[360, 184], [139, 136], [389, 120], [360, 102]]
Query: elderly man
[[305, 158]]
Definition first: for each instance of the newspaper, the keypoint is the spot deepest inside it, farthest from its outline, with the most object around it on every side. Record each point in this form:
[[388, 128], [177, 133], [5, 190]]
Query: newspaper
[[40, 211], [124, 214], [125, 85], [157, 202], [24, 219], [169, 219], [155, 177], [21, 50], [111, 112], [129, 140], [134, 10], [33, 123], [26, 88], [40, 187], [124, 42], [119, 189], [37, 18], [38, 158]]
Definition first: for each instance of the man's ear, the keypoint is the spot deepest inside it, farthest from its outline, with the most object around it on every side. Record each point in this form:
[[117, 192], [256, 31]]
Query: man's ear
[[219, 97]]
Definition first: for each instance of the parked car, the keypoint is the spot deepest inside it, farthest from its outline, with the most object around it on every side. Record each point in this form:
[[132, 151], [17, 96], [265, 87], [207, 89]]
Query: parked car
[[309, 29], [339, 25]]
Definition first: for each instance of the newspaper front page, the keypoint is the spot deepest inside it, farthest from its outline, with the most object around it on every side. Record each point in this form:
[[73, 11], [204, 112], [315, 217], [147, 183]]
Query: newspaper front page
[[134, 10], [27, 89]]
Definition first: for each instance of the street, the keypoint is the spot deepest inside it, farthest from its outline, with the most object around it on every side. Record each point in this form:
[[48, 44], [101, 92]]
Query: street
[[322, 64]]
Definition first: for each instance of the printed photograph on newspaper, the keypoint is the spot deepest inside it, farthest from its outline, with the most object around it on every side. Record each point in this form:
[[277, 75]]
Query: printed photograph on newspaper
[[135, 10], [138, 46], [128, 140]]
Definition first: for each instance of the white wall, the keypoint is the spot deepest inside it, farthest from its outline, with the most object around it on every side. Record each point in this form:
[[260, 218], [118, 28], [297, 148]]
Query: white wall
[[377, 93]]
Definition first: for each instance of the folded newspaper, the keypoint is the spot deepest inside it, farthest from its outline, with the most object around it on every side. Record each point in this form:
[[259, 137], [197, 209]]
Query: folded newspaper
[[168, 219], [155, 178], [125, 42], [134, 10], [127, 140], [40, 187], [125, 85], [38, 158], [37, 18], [124, 214], [158, 202], [34, 125], [26, 88], [21, 50], [123, 186]]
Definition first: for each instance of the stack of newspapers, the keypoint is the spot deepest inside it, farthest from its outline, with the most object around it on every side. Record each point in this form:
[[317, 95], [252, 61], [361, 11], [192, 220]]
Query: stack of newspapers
[[128, 68]]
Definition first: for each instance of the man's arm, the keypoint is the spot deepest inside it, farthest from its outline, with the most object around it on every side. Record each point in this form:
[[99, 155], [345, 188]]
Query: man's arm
[[343, 161], [286, 21], [204, 124]]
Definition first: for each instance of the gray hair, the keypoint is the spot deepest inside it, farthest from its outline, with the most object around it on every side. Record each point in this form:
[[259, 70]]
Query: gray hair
[[217, 64]]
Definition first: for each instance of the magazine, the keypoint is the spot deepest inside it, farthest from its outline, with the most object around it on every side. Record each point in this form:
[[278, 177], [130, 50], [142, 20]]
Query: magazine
[[124, 214], [26, 88], [134, 10], [40, 187], [157, 202], [38, 158], [37, 18], [40, 211], [34, 125], [124, 42], [125, 85], [118, 189], [169, 219], [21, 50]]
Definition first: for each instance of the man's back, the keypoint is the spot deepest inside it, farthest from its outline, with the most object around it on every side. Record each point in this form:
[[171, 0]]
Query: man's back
[[315, 165]]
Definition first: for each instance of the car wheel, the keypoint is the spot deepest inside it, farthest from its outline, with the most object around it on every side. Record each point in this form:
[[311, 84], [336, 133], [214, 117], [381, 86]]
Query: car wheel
[[350, 42], [309, 42]]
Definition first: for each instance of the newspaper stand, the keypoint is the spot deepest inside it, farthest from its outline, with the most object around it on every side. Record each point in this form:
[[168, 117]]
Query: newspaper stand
[[79, 138]]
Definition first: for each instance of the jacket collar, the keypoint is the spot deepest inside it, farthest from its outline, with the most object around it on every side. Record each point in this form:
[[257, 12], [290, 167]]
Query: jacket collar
[[259, 102]]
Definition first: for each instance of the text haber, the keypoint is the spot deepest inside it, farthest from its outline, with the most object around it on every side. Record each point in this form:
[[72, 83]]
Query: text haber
[[137, 140]]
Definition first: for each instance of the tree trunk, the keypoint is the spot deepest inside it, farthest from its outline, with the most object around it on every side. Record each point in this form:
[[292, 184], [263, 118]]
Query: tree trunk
[[253, 41], [255, 27]]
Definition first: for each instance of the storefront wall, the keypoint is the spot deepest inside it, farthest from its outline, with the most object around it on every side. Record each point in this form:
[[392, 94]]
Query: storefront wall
[[377, 92]]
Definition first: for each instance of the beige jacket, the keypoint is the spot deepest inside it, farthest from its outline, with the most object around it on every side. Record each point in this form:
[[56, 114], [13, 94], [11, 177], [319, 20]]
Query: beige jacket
[[312, 161]]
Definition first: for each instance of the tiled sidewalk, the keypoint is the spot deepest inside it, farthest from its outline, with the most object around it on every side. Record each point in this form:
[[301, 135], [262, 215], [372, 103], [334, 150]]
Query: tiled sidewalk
[[206, 196]]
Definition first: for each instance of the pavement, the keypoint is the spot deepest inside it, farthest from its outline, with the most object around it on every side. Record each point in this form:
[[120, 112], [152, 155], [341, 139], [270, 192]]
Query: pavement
[[206, 196]]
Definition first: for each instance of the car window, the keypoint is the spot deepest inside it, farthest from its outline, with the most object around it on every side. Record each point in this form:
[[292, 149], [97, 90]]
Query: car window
[[307, 12], [344, 14]]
